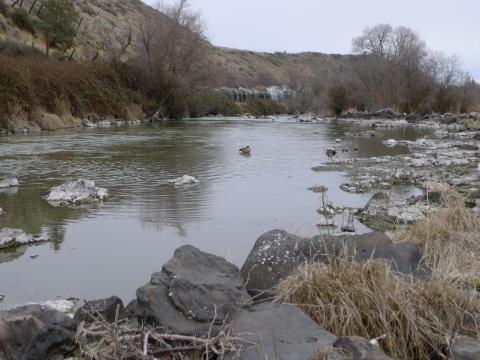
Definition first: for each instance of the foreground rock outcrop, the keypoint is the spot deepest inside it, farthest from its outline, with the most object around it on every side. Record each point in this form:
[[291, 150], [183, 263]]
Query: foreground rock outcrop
[[193, 291], [277, 253], [275, 331], [34, 332], [73, 192], [357, 348]]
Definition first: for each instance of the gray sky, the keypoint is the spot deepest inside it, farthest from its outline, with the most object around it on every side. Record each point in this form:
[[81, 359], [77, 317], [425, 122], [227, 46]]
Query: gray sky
[[328, 26]]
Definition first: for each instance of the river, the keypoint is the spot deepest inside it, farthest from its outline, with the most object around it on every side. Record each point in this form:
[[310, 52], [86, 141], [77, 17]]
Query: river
[[113, 247]]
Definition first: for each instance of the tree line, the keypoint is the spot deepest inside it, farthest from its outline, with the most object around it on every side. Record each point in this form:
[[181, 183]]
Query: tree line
[[395, 68]]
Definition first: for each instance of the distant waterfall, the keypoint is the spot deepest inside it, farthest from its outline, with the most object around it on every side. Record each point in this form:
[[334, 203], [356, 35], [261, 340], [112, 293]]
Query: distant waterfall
[[275, 93]]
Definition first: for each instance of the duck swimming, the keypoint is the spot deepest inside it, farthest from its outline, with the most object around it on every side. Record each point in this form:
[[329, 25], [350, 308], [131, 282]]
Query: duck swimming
[[247, 150]]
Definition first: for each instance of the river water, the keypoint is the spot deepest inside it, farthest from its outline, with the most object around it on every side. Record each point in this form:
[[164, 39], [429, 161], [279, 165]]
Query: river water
[[113, 247]]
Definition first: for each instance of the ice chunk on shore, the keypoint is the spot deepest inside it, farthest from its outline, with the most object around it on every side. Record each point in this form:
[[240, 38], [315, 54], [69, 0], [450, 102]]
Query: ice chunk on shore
[[9, 182], [184, 180], [77, 191]]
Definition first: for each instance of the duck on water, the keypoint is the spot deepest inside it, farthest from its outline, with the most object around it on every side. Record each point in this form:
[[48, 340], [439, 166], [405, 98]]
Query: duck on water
[[247, 150]]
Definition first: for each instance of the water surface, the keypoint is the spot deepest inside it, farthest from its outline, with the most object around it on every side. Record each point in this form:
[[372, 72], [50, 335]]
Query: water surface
[[113, 247]]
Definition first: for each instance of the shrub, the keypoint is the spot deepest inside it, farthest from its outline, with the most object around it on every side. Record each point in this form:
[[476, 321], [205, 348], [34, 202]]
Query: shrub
[[262, 107], [337, 99], [22, 19], [57, 86], [419, 319]]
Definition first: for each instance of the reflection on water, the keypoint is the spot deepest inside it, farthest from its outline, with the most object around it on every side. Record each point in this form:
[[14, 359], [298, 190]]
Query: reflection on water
[[112, 248]]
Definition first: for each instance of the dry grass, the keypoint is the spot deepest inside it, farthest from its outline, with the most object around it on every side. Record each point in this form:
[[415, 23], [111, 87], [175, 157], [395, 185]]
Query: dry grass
[[419, 319], [450, 239]]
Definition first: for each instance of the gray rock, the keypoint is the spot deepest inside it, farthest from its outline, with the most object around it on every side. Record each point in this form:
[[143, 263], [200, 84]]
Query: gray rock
[[465, 348], [193, 290], [278, 332], [107, 308], [405, 257], [277, 253], [34, 332], [358, 348], [13, 238], [76, 191], [412, 118], [10, 181]]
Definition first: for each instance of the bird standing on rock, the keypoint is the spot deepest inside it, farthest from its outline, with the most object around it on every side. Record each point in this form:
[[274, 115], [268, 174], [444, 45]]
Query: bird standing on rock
[[247, 150], [331, 153]]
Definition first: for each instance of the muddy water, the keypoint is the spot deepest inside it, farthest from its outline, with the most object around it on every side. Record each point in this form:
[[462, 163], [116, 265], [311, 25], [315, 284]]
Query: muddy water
[[113, 247]]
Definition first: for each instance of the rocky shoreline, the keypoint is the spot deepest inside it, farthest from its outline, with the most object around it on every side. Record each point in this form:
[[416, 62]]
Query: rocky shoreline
[[198, 296]]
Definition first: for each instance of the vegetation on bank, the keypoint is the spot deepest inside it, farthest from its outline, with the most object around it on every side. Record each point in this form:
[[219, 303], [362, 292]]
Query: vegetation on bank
[[60, 87]]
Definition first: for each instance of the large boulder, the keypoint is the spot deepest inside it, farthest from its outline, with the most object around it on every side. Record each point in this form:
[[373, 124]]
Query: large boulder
[[193, 292], [35, 332], [274, 331], [73, 192], [358, 348], [277, 253], [465, 348]]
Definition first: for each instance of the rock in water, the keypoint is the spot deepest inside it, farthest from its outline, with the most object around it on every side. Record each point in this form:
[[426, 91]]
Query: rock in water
[[391, 142], [193, 290], [11, 238], [275, 331], [184, 180], [35, 332], [76, 192], [9, 182]]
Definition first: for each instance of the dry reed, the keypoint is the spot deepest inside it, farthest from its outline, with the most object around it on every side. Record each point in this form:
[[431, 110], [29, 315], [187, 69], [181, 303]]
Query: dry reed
[[419, 319]]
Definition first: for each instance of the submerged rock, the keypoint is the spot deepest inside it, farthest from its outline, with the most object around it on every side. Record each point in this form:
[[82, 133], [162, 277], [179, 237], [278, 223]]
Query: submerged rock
[[76, 192], [193, 292], [9, 182], [184, 180], [270, 330], [11, 238], [35, 332]]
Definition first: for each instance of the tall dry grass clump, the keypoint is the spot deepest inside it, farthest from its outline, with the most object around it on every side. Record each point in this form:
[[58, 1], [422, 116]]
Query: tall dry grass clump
[[450, 239], [419, 319]]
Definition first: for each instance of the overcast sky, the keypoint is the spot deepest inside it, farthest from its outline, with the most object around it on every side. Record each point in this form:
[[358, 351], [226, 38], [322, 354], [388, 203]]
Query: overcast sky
[[328, 26]]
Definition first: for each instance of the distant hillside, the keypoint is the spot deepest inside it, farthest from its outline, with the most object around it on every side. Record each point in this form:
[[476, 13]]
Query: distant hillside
[[105, 25], [249, 69]]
